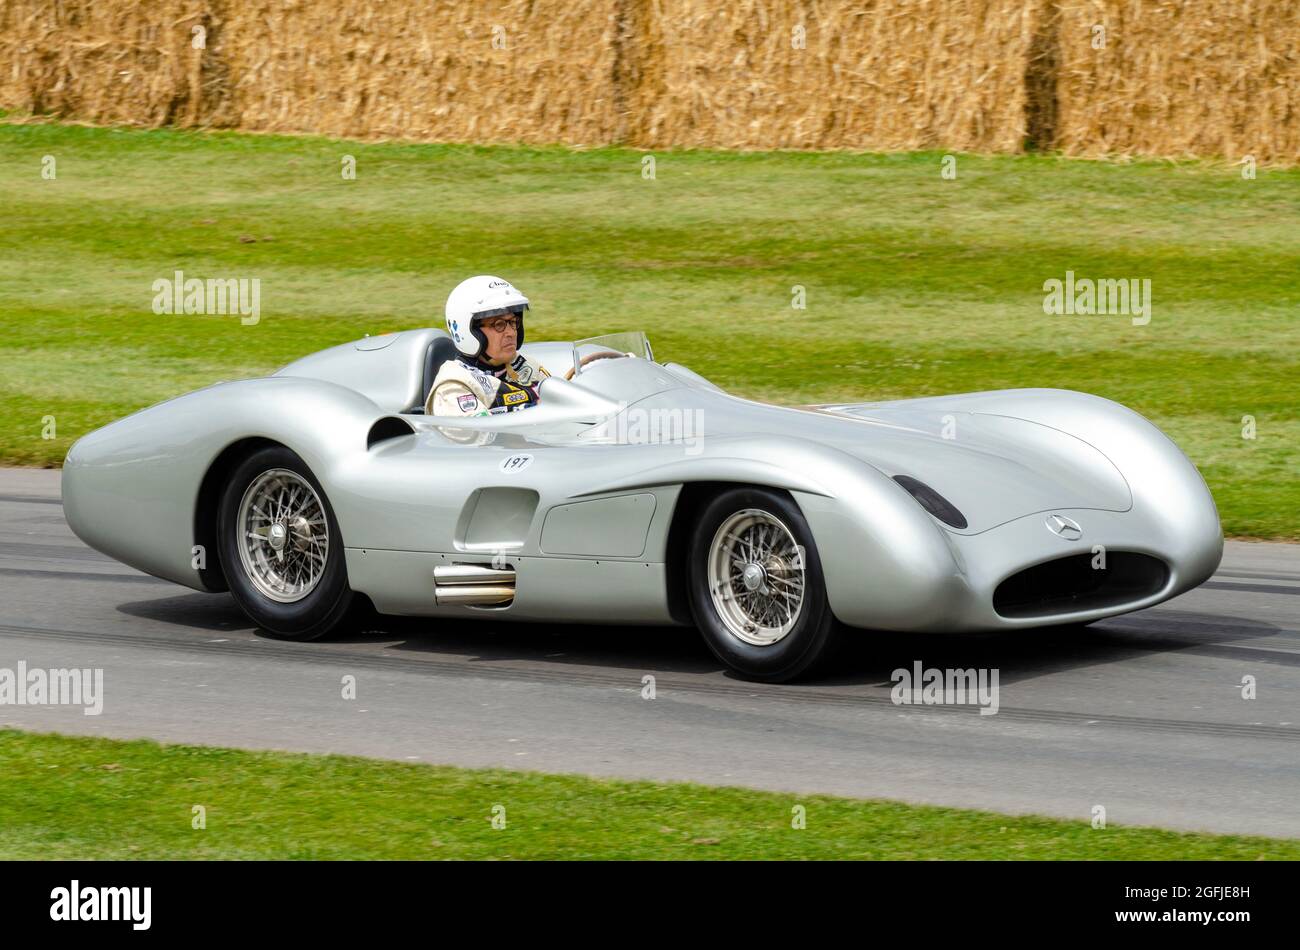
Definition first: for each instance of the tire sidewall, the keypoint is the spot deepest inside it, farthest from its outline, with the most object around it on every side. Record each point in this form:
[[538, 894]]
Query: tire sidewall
[[322, 609], [811, 637]]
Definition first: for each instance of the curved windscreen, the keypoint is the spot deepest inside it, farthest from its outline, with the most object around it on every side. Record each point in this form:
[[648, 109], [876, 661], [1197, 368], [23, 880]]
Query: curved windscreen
[[594, 349]]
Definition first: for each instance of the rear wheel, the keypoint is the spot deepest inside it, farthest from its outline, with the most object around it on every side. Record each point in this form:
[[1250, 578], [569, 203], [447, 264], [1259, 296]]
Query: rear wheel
[[756, 586], [281, 547]]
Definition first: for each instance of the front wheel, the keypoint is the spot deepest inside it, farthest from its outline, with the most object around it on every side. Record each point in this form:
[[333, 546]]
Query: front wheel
[[281, 548], [756, 587]]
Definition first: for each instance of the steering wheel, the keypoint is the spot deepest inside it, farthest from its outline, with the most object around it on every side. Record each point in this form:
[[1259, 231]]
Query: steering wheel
[[592, 357]]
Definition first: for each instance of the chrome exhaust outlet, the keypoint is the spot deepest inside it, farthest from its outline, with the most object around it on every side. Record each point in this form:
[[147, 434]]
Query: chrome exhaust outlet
[[476, 595], [456, 575], [472, 585]]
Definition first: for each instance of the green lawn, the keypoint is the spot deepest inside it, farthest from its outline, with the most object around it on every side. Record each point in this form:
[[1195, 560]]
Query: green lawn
[[915, 285], [76, 798]]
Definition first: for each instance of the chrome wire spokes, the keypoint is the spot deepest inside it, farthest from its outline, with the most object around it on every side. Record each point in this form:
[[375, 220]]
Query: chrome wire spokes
[[284, 536], [756, 577]]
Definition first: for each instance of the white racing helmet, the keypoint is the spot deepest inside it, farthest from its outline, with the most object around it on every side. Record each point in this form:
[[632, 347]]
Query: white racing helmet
[[479, 298]]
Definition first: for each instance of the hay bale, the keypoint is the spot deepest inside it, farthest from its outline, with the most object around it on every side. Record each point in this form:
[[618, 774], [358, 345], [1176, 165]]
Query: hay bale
[[530, 71], [102, 60], [1175, 77], [1180, 78], [872, 74]]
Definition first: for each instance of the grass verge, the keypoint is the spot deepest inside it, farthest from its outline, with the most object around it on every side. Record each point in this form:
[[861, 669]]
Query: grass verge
[[81, 798]]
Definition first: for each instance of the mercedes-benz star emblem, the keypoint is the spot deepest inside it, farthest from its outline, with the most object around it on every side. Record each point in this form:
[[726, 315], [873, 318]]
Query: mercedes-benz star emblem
[[1064, 527]]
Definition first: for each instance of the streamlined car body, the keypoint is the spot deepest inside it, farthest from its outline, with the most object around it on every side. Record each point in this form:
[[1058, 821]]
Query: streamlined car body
[[639, 492]]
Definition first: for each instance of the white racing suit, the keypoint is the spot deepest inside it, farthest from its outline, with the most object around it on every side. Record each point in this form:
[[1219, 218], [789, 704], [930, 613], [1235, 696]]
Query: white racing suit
[[471, 389]]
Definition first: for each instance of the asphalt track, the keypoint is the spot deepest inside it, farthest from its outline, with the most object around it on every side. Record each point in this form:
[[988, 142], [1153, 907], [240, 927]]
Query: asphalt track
[[1143, 714]]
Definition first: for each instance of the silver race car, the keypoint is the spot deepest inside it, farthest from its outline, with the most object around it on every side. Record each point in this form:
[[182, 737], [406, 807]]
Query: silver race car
[[639, 492]]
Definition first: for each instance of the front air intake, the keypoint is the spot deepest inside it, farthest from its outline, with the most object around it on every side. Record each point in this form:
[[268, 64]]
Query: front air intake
[[1071, 584], [389, 427], [932, 501]]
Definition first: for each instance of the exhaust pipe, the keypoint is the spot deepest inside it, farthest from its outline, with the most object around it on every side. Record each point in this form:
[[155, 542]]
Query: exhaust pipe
[[477, 596], [472, 585]]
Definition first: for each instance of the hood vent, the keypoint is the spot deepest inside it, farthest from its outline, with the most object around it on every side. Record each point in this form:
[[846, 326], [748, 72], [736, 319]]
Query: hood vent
[[932, 501]]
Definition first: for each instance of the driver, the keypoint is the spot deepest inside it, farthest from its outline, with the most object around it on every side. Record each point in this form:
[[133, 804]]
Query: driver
[[485, 316]]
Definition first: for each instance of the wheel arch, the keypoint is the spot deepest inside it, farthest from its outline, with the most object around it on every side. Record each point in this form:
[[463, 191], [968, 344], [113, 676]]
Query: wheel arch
[[213, 573], [691, 500]]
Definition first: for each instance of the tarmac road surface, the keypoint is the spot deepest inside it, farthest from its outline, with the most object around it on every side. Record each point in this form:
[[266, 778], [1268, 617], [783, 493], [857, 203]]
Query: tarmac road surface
[[1143, 714]]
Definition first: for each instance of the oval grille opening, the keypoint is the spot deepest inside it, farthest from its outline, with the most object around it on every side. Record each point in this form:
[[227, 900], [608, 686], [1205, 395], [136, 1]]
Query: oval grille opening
[[1070, 584]]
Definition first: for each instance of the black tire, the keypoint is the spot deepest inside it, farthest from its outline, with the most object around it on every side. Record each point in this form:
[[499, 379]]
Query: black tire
[[327, 604], [815, 632]]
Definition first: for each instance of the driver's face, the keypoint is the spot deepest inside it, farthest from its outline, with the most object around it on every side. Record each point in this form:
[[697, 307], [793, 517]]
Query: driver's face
[[502, 343]]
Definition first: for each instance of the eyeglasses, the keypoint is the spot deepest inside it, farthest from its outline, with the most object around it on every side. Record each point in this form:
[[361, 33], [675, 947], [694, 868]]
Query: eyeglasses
[[500, 324]]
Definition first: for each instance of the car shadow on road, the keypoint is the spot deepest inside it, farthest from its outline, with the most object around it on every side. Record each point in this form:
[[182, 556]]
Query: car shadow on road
[[866, 659], [197, 611]]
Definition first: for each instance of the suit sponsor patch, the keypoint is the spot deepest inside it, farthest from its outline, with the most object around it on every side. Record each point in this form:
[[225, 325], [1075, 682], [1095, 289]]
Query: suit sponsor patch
[[513, 399], [486, 381], [521, 370], [467, 402]]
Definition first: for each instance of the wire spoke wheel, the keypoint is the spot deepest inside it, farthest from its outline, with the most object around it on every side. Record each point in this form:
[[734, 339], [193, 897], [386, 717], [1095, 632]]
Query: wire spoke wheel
[[283, 535], [756, 577]]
